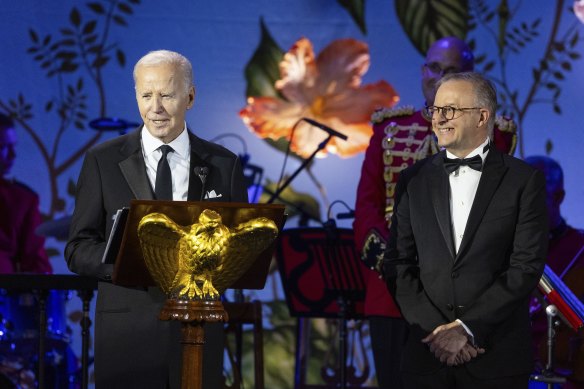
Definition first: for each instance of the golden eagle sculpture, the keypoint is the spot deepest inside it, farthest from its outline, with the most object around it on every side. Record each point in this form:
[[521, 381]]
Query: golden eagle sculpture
[[200, 261]]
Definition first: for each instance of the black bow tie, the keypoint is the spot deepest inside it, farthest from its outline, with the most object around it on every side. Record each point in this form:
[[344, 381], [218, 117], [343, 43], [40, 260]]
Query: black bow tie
[[451, 165]]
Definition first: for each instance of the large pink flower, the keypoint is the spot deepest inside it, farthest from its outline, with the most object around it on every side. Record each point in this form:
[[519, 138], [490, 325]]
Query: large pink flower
[[579, 9], [327, 89]]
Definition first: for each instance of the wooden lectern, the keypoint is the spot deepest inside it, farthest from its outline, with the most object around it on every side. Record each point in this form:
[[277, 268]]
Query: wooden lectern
[[130, 270]]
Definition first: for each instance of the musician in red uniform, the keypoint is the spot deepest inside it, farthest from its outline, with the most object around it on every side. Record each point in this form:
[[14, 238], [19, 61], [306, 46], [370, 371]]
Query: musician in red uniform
[[401, 136], [566, 259], [21, 249]]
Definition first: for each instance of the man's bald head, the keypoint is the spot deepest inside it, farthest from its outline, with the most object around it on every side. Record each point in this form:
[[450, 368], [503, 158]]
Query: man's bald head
[[446, 55]]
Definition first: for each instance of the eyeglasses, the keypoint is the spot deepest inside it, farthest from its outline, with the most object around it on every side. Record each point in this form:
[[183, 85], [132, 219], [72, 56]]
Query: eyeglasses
[[447, 112], [435, 68]]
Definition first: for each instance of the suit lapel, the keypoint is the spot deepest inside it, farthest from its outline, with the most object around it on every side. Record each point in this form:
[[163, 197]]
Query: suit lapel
[[493, 171], [198, 159], [440, 194], [133, 168]]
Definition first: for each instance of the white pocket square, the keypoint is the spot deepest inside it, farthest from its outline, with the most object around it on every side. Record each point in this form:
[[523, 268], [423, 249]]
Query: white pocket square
[[213, 195]]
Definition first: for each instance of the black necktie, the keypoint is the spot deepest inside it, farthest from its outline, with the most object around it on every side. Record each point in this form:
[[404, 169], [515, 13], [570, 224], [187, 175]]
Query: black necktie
[[163, 186], [451, 165]]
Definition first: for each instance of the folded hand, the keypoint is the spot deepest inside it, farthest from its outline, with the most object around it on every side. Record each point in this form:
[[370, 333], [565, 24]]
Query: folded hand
[[447, 342]]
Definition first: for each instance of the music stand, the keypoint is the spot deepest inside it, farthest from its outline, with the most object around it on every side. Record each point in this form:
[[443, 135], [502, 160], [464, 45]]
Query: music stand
[[130, 270], [322, 278]]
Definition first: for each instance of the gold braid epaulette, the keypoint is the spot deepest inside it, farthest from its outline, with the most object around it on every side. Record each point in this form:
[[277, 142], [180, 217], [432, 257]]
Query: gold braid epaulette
[[386, 113]]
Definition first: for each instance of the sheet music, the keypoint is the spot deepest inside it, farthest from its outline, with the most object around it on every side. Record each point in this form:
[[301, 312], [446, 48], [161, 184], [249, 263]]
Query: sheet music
[[113, 243]]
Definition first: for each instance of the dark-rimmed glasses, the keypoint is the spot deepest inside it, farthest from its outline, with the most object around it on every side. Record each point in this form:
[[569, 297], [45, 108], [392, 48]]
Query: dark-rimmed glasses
[[447, 112]]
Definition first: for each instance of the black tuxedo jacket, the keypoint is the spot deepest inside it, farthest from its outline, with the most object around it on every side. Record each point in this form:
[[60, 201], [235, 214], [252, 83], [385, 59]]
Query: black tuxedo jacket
[[488, 282], [133, 349]]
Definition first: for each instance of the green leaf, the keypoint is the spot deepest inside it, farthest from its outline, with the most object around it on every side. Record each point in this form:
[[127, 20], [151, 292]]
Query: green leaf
[[68, 42], [262, 70], [67, 31], [46, 64], [356, 9], [119, 20], [295, 201], [67, 55], [425, 21], [69, 67], [489, 66], [566, 65], [100, 61], [121, 57], [125, 8], [89, 40], [97, 8], [282, 145], [33, 35], [549, 146], [574, 39], [89, 27], [75, 17], [558, 75]]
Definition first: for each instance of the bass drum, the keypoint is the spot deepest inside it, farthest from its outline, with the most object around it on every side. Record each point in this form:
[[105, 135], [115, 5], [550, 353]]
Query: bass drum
[[19, 339], [20, 315]]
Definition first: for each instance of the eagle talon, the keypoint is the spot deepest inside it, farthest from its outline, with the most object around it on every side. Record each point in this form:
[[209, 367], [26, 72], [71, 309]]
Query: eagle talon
[[209, 289]]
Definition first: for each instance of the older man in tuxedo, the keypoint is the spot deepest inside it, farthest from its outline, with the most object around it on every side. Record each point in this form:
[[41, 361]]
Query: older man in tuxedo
[[133, 349], [467, 246]]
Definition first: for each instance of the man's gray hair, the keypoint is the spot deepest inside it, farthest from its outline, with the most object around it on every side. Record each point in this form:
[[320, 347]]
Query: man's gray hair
[[484, 90], [167, 57]]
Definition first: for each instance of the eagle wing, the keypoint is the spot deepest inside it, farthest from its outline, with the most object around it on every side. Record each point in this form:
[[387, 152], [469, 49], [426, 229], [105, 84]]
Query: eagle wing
[[159, 237], [246, 242]]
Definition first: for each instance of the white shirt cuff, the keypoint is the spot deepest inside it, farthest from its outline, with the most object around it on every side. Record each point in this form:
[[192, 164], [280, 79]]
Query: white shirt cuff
[[468, 331]]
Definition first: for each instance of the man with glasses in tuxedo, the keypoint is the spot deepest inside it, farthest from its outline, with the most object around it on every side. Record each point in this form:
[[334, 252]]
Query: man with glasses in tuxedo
[[467, 246], [401, 136]]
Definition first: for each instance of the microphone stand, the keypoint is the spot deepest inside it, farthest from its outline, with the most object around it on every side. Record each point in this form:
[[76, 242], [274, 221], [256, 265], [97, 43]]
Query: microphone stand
[[277, 193], [547, 375]]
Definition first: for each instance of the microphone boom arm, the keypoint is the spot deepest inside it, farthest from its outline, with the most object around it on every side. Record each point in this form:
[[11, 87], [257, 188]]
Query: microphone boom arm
[[279, 191]]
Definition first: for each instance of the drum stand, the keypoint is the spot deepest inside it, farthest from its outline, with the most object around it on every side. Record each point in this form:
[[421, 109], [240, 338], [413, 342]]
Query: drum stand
[[547, 375]]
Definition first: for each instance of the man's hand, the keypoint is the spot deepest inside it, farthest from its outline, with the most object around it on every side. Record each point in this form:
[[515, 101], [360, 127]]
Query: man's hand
[[467, 353], [446, 343]]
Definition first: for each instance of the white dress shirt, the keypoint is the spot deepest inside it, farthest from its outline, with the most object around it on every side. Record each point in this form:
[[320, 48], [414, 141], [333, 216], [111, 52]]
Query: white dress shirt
[[179, 161], [463, 187]]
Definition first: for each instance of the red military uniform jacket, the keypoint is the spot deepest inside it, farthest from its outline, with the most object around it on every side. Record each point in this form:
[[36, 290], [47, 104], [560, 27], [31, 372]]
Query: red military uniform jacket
[[19, 218], [401, 136]]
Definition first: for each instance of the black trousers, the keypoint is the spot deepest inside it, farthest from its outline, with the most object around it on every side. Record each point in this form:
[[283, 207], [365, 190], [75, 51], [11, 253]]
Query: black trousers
[[458, 377], [388, 337]]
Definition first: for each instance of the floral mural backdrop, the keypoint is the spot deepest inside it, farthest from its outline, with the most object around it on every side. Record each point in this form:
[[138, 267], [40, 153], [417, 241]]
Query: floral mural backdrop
[[259, 69]]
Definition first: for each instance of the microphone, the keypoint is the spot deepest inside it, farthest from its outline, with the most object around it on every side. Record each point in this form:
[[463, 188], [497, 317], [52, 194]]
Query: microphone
[[346, 215], [202, 172], [325, 128]]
